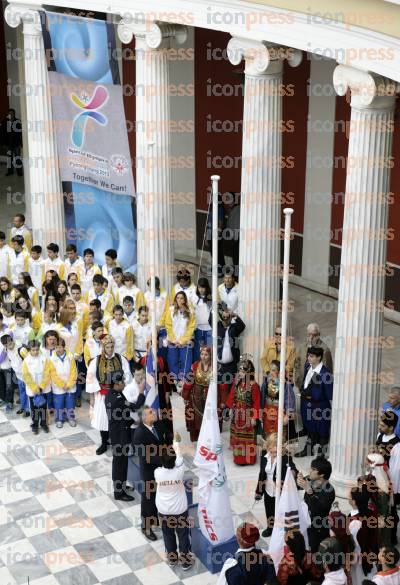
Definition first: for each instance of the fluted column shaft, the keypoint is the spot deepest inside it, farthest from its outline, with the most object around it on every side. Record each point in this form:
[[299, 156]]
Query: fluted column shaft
[[260, 214], [153, 153], [362, 273], [46, 198]]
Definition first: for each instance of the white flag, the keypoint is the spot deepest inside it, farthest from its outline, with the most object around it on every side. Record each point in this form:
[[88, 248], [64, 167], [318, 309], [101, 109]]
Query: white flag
[[215, 515], [292, 513]]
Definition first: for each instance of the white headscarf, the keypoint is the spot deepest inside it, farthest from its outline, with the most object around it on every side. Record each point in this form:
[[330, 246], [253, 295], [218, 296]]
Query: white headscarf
[[376, 463]]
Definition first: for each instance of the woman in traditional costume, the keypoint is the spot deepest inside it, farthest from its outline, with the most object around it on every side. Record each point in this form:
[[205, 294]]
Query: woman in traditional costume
[[244, 401]]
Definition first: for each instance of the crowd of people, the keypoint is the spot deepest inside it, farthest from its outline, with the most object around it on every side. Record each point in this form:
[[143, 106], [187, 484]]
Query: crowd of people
[[69, 325]]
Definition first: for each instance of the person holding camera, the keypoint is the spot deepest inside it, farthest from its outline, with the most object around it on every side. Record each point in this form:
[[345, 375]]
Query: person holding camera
[[230, 327]]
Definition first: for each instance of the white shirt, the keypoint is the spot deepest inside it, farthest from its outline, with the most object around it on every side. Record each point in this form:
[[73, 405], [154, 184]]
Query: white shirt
[[75, 267], [142, 334], [15, 361], [390, 579], [171, 494], [311, 372], [270, 467], [179, 324], [202, 310], [56, 264], [190, 292], [226, 356], [36, 270], [335, 578], [230, 296], [86, 280], [18, 263], [63, 368], [160, 303], [4, 260], [119, 332], [21, 334], [131, 393]]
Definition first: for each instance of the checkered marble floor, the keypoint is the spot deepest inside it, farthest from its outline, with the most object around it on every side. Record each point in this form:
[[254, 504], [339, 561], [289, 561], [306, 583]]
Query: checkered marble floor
[[59, 524]]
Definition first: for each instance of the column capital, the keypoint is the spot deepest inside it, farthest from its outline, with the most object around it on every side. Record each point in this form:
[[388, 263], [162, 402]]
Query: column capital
[[28, 16], [153, 34], [261, 57], [368, 90]]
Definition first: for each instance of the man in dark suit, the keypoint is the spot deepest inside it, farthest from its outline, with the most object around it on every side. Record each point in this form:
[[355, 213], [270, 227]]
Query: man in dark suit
[[230, 327], [316, 397], [151, 436], [119, 413]]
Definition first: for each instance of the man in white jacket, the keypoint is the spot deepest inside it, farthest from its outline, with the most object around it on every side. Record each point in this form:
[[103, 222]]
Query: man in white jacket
[[172, 505]]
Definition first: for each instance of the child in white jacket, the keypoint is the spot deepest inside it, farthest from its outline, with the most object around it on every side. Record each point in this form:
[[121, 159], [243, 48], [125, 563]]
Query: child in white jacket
[[16, 356], [63, 376], [36, 375]]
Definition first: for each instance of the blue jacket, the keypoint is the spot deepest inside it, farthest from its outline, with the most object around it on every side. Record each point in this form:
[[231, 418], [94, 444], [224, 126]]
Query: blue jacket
[[316, 402]]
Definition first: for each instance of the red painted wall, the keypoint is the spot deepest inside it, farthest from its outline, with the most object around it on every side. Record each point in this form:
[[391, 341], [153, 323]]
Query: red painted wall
[[340, 149], [393, 250], [294, 144], [218, 114]]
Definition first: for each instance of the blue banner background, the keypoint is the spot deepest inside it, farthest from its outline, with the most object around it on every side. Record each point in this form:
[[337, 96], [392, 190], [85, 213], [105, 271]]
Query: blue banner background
[[85, 49]]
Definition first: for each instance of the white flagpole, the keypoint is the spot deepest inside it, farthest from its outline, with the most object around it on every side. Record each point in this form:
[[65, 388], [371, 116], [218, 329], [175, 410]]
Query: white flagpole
[[214, 287], [152, 246], [285, 297]]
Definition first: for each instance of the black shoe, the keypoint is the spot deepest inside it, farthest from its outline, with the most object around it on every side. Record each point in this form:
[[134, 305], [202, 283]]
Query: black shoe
[[102, 449], [186, 565], [78, 402], [124, 497], [45, 428], [35, 430], [149, 534], [20, 411], [27, 413], [266, 533]]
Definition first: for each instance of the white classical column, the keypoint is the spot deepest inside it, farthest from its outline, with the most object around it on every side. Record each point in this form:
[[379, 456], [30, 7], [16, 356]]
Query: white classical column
[[362, 271], [46, 198], [260, 214], [153, 153]]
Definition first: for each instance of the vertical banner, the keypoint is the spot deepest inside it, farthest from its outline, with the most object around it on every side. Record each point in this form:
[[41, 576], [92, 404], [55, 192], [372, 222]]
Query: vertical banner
[[215, 514], [92, 141]]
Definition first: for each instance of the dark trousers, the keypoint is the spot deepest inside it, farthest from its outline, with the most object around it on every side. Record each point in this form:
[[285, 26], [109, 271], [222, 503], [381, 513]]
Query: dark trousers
[[395, 517], [7, 386], [227, 373], [14, 160], [81, 381], [269, 504], [176, 526], [39, 414], [148, 508], [119, 467], [104, 437]]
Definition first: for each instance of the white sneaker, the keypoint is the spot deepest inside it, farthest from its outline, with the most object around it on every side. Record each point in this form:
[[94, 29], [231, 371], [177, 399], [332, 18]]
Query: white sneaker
[[72, 422], [59, 424]]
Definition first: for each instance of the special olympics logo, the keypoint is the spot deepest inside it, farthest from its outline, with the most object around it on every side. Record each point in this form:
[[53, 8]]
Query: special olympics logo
[[90, 104], [119, 164]]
